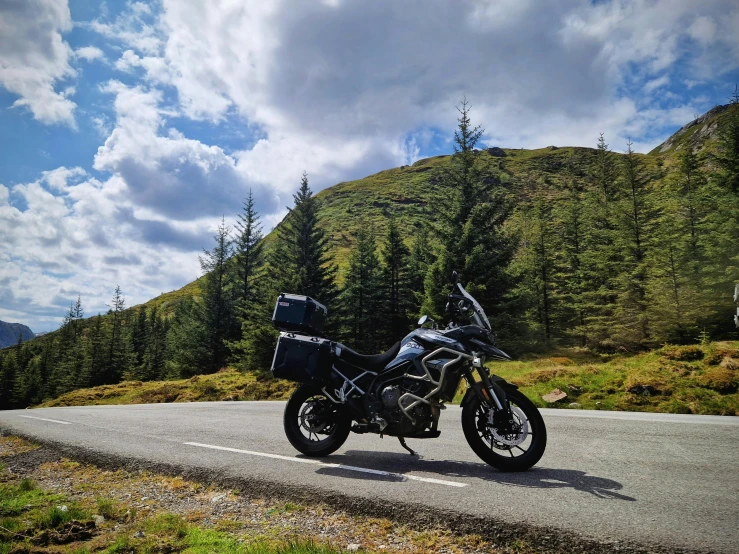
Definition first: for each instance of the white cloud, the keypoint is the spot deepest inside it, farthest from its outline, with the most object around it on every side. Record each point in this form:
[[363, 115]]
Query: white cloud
[[57, 178], [89, 53], [34, 57]]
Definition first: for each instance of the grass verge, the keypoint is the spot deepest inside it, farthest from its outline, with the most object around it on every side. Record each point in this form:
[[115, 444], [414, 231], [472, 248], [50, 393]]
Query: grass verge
[[695, 379], [64, 506], [698, 379]]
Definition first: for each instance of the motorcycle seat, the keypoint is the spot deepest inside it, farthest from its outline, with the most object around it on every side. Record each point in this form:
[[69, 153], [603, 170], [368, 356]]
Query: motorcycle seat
[[371, 362]]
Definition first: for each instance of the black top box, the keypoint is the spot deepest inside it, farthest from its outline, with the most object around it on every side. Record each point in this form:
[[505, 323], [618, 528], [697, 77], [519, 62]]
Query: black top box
[[300, 314]]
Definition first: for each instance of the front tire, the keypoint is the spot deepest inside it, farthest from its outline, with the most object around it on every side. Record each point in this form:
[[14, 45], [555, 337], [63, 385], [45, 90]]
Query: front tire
[[517, 450], [314, 424]]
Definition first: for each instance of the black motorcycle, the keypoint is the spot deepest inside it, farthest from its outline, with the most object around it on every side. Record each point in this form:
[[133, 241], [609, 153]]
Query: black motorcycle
[[401, 392]]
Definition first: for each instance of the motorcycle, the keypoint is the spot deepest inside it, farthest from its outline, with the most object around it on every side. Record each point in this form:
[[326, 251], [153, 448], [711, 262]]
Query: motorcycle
[[401, 392]]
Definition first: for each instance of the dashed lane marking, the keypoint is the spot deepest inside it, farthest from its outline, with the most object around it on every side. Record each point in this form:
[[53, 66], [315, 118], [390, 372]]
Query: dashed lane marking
[[47, 419], [335, 466]]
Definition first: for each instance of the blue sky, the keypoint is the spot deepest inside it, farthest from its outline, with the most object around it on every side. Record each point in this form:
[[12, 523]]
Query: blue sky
[[131, 128]]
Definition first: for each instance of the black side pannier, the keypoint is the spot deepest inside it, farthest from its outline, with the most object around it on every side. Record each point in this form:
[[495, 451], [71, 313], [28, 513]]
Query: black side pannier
[[298, 313], [303, 359]]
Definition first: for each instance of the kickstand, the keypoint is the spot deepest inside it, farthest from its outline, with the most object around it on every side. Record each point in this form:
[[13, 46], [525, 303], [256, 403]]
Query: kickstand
[[408, 448]]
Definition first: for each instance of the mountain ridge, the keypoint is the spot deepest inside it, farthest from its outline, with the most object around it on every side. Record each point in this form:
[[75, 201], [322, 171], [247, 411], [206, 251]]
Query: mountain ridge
[[9, 333]]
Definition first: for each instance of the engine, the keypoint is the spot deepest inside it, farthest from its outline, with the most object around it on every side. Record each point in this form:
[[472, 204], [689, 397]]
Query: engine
[[392, 396]]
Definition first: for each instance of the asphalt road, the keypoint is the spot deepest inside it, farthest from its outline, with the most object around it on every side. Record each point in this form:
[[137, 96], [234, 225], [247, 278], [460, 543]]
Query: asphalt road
[[653, 479]]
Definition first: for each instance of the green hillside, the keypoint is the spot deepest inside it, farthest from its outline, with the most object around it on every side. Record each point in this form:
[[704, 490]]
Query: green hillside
[[404, 192]]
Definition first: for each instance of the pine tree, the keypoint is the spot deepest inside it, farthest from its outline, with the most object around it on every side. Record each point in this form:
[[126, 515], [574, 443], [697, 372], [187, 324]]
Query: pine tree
[[116, 356], [300, 259], [93, 370], [187, 352], [601, 257], [470, 210], [8, 375], [635, 221], [396, 294], [361, 297], [216, 311], [421, 258], [571, 214], [156, 348], [248, 252], [139, 344], [255, 347]]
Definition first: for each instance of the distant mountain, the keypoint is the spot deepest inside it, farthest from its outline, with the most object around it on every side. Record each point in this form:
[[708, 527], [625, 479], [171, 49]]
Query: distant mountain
[[9, 333]]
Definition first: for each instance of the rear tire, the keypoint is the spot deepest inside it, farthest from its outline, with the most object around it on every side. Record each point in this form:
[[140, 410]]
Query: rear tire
[[497, 449], [314, 424]]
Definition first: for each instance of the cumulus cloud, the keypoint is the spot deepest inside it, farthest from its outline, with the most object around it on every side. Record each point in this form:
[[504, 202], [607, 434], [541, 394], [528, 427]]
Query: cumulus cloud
[[34, 57], [89, 53]]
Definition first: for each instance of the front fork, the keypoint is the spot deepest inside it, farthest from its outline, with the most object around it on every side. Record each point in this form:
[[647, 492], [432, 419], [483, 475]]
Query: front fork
[[490, 391]]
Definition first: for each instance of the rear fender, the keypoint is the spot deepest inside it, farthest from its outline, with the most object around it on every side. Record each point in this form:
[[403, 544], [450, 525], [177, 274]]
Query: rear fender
[[479, 389]]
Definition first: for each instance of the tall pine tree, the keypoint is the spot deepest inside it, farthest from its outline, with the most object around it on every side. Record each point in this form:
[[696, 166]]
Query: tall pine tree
[[300, 259], [397, 296], [470, 210], [362, 295]]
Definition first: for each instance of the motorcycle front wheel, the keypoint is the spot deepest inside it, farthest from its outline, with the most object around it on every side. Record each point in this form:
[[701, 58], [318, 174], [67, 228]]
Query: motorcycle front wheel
[[513, 447], [314, 424]]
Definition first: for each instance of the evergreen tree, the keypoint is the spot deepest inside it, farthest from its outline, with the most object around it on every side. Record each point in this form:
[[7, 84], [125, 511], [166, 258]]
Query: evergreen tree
[[8, 374], [139, 345], [216, 311], [421, 258], [470, 210], [600, 259], [93, 371], [300, 260], [571, 214], [187, 352], [361, 297], [116, 356], [156, 348], [248, 252], [635, 221], [397, 296], [255, 348]]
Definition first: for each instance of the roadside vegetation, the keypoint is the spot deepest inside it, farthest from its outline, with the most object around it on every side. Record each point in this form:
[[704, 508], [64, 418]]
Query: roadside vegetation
[[693, 379], [698, 379], [62, 506]]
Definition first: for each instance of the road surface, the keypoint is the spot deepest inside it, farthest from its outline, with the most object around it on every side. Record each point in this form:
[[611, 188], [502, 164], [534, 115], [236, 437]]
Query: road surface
[[650, 479]]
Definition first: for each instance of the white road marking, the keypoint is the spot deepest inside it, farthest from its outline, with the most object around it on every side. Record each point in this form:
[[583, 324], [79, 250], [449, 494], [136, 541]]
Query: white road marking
[[46, 419], [324, 464], [643, 416]]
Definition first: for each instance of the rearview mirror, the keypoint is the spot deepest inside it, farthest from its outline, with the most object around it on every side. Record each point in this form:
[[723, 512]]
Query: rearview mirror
[[455, 277], [423, 320]]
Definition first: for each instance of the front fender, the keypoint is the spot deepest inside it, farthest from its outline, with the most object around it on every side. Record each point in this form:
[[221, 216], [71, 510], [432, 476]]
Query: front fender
[[477, 390]]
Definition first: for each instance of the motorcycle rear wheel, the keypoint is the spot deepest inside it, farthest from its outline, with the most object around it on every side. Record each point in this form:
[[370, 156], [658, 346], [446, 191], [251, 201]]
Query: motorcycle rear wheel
[[315, 425], [516, 451]]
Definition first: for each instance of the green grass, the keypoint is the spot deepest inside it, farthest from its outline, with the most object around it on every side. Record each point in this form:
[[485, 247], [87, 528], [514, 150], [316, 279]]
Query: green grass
[[673, 379], [35, 520], [225, 385]]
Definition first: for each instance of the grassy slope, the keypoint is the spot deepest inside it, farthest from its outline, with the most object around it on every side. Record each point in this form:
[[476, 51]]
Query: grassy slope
[[673, 379], [224, 385]]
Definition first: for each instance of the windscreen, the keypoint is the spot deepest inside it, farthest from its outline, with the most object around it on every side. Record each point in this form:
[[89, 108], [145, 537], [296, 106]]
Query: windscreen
[[479, 314]]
